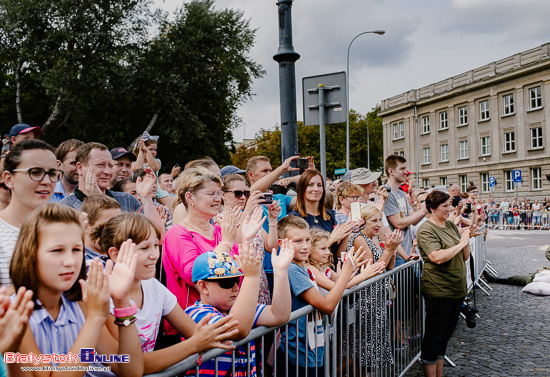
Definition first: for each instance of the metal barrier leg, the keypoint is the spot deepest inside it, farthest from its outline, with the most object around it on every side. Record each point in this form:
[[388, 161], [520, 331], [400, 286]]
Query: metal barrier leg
[[483, 289], [485, 284], [449, 361]]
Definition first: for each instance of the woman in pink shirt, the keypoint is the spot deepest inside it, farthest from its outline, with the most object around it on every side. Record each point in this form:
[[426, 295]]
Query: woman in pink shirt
[[200, 191]]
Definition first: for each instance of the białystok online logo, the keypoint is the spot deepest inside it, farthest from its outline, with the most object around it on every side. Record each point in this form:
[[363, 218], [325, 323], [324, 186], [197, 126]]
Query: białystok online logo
[[87, 355]]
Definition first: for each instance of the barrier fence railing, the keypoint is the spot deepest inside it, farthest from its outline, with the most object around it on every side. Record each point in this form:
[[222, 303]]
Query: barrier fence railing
[[376, 330]]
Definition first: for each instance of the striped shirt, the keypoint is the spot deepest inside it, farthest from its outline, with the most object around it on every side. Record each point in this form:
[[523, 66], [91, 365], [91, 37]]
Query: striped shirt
[[8, 239], [60, 335], [242, 363]]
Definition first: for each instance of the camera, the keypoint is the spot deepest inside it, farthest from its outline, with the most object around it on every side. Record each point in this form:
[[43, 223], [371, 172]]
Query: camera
[[470, 313], [268, 198], [387, 187], [302, 163], [468, 208]]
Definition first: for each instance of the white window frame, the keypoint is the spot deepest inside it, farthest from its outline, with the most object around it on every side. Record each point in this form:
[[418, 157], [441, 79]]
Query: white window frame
[[426, 124], [401, 130], [443, 121], [462, 116], [426, 156], [536, 178], [535, 98], [484, 180], [444, 153], [443, 181], [463, 149], [508, 104], [508, 181], [485, 145], [484, 110], [463, 182], [425, 182], [395, 131], [509, 142], [536, 137]]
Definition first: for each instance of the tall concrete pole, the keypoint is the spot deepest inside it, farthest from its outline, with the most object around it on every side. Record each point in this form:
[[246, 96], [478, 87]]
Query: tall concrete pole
[[286, 57]]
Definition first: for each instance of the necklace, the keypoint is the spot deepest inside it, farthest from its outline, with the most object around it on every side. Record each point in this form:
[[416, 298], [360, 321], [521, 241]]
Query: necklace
[[196, 227]]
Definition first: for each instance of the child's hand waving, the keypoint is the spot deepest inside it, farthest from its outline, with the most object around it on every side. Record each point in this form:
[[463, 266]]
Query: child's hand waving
[[249, 263], [121, 275], [286, 254], [252, 224], [95, 292]]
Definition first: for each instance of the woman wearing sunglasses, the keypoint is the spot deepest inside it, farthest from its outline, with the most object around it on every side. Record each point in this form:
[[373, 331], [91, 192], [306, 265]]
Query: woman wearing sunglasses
[[30, 173], [347, 194], [236, 194]]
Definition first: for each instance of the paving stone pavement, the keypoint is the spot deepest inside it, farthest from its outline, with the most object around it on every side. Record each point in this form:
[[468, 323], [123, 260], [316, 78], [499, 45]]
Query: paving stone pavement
[[512, 337]]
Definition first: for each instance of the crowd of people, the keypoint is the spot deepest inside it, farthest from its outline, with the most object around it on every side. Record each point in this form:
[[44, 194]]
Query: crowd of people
[[106, 249]]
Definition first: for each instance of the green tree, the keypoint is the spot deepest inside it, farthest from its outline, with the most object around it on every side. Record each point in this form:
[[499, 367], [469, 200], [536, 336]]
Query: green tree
[[268, 143]]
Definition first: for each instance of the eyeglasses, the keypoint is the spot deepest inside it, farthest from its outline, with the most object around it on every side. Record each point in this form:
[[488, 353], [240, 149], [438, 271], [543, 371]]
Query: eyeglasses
[[355, 198], [240, 193], [227, 283], [38, 174], [217, 194]]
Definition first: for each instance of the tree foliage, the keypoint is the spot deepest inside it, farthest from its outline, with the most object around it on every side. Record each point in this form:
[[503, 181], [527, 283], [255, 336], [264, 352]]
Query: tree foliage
[[268, 143], [90, 69]]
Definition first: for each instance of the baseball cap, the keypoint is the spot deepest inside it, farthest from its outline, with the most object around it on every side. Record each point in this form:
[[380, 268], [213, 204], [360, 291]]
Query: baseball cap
[[117, 153], [23, 128], [230, 169], [215, 265], [363, 176]]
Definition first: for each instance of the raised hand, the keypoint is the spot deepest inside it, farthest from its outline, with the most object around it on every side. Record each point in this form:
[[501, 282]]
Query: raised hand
[[465, 238], [273, 210], [252, 224], [95, 292], [215, 335], [372, 269], [253, 202], [285, 256], [228, 224], [249, 263], [341, 231], [311, 163], [145, 188], [393, 240], [121, 275], [90, 184], [14, 318], [286, 164]]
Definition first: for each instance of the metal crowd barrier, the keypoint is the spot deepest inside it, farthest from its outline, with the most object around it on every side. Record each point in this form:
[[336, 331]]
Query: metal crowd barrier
[[478, 247], [376, 330]]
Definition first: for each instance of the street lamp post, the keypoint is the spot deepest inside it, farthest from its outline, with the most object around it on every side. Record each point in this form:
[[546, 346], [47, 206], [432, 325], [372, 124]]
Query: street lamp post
[[379, 32]]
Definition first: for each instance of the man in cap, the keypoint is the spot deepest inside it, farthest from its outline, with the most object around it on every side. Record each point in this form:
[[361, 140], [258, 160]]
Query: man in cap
[[366, 179], [122, 164], [23, 131], [405, 185], [230, 169]]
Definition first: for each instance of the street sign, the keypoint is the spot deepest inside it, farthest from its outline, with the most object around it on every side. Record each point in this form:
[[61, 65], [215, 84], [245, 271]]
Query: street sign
[[340, 171], [516, 174], [335, 100], [492, 181]]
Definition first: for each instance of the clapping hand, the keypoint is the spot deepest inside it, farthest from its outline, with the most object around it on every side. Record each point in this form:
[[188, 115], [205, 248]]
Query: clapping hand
[[341, 231], [252, 224], [228, 223], [282, 260], [249, 262], [372, 269], [121, 274], [95, 292], [393, 240], [14, 318], [145, 188]]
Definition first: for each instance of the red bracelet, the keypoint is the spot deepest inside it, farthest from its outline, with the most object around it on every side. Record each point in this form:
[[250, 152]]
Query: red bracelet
[[126, 312]]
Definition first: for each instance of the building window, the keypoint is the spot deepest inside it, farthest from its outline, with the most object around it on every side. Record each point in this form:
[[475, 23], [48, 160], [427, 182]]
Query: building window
[[536, 179], [463, 182], [508, 101], [485, 143], [509, 142], [426, 125], [462, 116], [444, 155], [508, 180], [484, 110], [443, 181], [536, 137], [463, 149], [426, 182], [402, 153], [401, 130], [443, 124], [395, 131], [426, 155], [484, 179], [535, 98]]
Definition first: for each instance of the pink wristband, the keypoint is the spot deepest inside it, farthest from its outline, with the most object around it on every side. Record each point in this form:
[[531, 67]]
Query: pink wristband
[[126, 312]]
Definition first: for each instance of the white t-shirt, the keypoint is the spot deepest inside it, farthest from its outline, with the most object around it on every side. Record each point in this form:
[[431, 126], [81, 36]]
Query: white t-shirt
[[158, 301], [8, 239]]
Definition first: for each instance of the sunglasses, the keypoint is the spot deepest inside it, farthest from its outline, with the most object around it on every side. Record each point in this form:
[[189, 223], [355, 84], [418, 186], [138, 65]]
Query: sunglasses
[[226, 283], [240, 193]]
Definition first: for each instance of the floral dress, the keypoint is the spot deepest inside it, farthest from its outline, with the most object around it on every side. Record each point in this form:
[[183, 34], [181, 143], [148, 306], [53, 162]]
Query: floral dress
[[372, 340], [263, 296]]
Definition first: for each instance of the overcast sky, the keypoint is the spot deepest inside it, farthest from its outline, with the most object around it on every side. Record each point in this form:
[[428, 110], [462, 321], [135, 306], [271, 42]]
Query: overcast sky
[[425, 42]]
